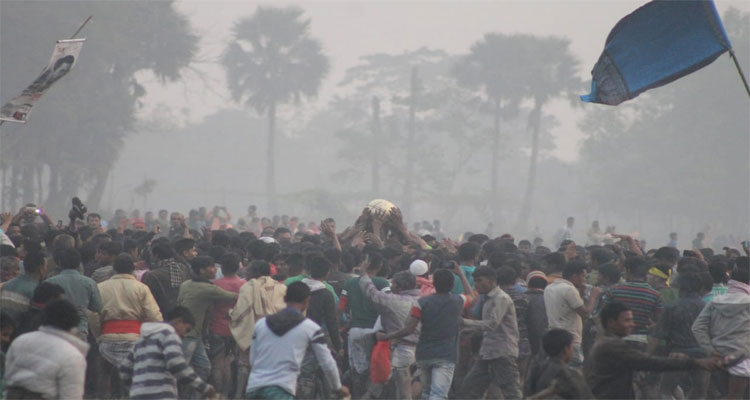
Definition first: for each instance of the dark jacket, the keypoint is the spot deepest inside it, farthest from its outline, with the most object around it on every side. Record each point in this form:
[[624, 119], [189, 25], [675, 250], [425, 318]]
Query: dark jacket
[[610, 367], [322, 310], [536, 317], [570, 383], [164, 281]]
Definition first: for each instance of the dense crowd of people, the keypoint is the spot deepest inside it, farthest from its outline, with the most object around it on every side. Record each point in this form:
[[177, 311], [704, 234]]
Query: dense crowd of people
[[168, 306]]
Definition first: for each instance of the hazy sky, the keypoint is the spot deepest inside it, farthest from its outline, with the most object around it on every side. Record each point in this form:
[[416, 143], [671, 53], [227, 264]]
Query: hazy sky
[[351, 29]]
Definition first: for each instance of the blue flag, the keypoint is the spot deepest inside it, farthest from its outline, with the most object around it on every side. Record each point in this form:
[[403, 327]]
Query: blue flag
[[656, 44]]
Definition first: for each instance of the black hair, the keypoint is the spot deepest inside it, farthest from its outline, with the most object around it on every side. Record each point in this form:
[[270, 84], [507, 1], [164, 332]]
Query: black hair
[[162, 251], [636, 266], [124, 264], [219, 238], [111, 248], [180, 312], [374, 257], [443, 280], [611, 312], [669, 255], [611, 272], [537, 282], [478, 238], [690, 283], [741, 270], [201, 262], [297, 292], [280, 231], [260, 268], [33, 262], [573, 268], [318, 266], [600, 256], [485, 272], [61, 314], [468, 251], [296, 263], [506, 276], [405, 280], [217, 252], [183, 245], [555, 341], [46, 291], [554, 262], [68, 258], [129, 245], [230, 263]]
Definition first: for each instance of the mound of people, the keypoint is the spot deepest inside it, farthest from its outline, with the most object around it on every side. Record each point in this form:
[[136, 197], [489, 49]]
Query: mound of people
[[174, 307]]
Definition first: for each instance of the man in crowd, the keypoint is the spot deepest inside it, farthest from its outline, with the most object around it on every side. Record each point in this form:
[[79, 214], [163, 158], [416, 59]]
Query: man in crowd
[[166, 276], [152, 369], [613, 361], [49, 363], [394, 310], [279, 345], [79, 290], [440, 316], [363, 317], [553, 374], [565, 307], [723, 327], [198, 294], [126, 304], [105, 256], [15, 294], [498, 352], [222, 347]]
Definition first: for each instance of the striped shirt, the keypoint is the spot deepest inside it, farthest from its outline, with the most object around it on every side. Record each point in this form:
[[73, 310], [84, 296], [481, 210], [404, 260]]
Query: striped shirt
[[643, 301], [152, 370]]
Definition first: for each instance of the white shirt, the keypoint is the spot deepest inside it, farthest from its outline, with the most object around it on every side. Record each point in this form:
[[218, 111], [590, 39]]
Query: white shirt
[[561, 299]]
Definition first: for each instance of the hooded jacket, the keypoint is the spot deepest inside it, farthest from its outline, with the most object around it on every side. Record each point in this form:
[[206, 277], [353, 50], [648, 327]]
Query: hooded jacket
[[152, 369], [279, 345], [724, 324], [50, 362], [257, 299]]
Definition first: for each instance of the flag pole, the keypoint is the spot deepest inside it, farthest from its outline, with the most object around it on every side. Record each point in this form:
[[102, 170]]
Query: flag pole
[[739, 70]]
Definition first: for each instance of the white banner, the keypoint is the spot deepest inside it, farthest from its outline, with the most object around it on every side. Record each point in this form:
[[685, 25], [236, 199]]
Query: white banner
[[63, 58]]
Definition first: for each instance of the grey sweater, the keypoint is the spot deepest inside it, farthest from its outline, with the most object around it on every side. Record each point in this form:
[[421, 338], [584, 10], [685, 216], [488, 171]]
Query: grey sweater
[[393, 307]]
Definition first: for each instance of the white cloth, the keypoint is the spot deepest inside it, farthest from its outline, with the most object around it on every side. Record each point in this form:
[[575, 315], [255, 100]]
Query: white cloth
[[561, 298], [276, 360], [49, 361]]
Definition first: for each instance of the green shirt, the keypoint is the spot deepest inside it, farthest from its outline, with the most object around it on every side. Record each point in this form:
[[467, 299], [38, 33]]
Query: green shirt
[[16, 294], [81, 291], [362, 310], [198, 296], [300, 277]]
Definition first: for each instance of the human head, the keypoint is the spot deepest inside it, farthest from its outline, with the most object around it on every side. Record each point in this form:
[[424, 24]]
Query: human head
[[741, 270], [10, 267], [181, 319], [163, 215], [609, 274], [506, 276], [524, 246], [636, 268], [553, 263], [124, 264], [373, 260], [204, 267], [443, 280], [570, 221], [46, 292], [403, 280], [186, 248], [63, 242], [94, 221], [558, 343], [283, 235], [419, 267], [319, 267], [468, 252], [298, 295], [668, 255], [617, 319], [107, 252], [230, 263], [69, 259], [259, 268], [7, 330], [34, 264], [485, 279], [61, 314], [658, 275], [575, 272], [673, 236]]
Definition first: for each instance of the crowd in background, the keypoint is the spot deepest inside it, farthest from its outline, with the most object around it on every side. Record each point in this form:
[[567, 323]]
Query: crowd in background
[[174, 306]]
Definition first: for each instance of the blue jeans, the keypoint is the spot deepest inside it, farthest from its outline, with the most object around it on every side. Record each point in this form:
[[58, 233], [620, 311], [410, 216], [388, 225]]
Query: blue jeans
[[436, 378], [196, 357]]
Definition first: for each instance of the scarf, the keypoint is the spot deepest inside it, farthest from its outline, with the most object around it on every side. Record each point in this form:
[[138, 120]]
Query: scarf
[[177, 274], [737, 287]]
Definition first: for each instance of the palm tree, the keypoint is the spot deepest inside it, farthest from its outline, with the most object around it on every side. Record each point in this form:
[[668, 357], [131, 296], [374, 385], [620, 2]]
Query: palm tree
[[493, 66], [273, 60], [551, 72]]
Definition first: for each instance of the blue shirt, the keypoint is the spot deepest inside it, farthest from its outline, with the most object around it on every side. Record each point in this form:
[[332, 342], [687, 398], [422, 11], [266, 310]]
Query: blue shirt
[[81, 291]]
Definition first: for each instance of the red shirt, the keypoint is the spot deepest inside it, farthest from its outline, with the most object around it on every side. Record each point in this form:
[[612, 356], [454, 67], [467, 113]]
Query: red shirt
[[219, 315]]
